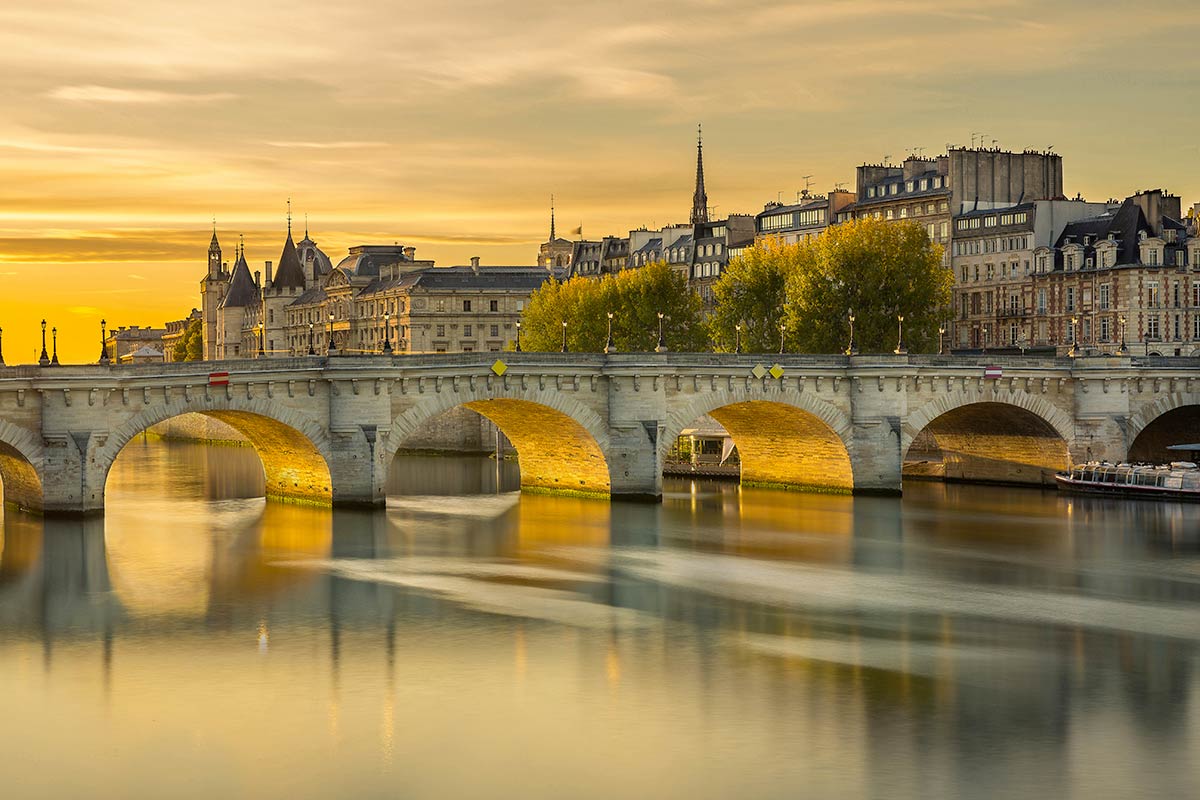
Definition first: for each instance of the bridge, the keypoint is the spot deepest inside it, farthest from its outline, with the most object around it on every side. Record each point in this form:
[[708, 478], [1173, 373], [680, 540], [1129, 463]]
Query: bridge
[[327, 429]]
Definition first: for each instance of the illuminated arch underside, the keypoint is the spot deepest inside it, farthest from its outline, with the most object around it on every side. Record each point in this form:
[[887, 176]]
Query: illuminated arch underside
[[22, 486], [556, 453], [996, 442], [293, 468], [781, 445]]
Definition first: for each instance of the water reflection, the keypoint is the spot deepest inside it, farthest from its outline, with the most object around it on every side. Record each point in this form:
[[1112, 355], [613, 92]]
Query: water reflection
[[964, 641]]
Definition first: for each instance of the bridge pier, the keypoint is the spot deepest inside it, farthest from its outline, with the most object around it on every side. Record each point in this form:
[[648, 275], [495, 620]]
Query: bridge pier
[[634, 469], [876, 455], [356, 473]]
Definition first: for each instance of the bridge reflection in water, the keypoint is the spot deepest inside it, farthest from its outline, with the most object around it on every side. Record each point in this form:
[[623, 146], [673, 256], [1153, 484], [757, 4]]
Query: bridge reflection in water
[[197, 641]]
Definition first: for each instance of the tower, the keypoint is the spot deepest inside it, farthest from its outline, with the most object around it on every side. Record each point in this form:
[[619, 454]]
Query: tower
[[289, 283], [552, 236], [212, 293], [699, 197]]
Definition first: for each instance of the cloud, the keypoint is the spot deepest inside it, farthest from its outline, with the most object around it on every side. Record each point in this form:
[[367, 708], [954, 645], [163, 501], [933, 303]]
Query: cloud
[[345, 145], [135, 277], [92, 93]]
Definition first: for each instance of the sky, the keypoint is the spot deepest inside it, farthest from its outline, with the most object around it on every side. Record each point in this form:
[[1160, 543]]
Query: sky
[[126, 126]]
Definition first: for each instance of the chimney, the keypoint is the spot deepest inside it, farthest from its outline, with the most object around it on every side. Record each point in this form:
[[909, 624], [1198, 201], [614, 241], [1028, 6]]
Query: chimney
[[257, 278], [410, 253], [475, 264], [268, 271]]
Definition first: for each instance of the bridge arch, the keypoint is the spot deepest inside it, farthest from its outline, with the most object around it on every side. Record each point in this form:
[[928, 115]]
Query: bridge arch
[[21, 459], [561, 443], [791, 440], [993, 436], [1170, 419], [294, 450]]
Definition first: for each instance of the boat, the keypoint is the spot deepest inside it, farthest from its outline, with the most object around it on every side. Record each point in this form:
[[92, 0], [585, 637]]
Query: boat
[[1179, 480]]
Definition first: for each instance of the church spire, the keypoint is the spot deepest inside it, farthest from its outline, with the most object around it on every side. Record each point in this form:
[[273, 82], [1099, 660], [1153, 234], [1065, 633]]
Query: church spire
[[552, 218], [214, 253], [699, 197], [289, 217]]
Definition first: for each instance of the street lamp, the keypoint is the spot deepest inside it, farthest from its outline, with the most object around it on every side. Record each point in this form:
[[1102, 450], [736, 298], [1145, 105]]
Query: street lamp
[[609, 347], [985, 339], [941, 340], [852, 348], [737, 338], [1, 347], [312, 351], [332, 347], [54, 335], [387, 335], [44, 359], [782, 332], [1074, 351], [103, 342], [518, 348], [900, 348], [261, 353], [564, 338], [661, 347], [1123, 350]]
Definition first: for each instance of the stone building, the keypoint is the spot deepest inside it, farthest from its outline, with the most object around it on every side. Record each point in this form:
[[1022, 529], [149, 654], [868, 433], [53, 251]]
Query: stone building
[[175, 331], [1128, 278], [124, 341], [992, 260], [556, 252], [808, 217]]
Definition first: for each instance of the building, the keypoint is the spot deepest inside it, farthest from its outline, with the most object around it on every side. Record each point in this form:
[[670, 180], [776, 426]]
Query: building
[[931, 191], [555, 252], [123, 341], [808, 217], [992, 257], [175, 332], [1127, 279]]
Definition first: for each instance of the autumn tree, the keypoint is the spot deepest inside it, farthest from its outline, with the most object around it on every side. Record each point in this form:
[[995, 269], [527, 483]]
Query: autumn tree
[[635, 297], [190, 346], [751, 292], [876, 269]]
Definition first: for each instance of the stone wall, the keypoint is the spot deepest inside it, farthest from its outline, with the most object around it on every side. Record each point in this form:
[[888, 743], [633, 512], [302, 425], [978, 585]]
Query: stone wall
[[198, 428], [459, 430]]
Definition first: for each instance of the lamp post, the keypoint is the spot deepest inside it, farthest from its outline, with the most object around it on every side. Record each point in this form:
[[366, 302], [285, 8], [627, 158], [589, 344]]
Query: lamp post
[[54, 338], [609, 347], [661, 347], [852, 348], [261, 353], [1123, 350], [518, 348], [387, 333], [737, 338], [332, 347], [1074, 351], [941, 340], [312, 351], [900, 348], [44, 358], [564, 337], [1, 347], [103, 342], [782, 333], [985, 339]]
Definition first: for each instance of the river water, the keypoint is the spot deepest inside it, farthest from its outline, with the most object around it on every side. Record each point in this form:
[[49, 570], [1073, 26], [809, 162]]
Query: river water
[[197, 642]]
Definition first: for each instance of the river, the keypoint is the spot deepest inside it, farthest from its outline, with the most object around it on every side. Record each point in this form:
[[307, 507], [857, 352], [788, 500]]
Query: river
[[469, 641]]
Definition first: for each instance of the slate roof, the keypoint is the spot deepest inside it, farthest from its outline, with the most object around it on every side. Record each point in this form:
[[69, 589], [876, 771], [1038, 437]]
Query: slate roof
[[242, 289], [289, 274]]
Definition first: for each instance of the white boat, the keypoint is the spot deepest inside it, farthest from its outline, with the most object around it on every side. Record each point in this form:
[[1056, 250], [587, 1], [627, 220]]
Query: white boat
[[1179, 480]]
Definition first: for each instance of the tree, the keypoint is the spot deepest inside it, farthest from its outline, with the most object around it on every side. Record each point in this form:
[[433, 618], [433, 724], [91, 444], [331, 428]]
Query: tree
[[635, 297], [190, 346], [751, 293], [876, 269]]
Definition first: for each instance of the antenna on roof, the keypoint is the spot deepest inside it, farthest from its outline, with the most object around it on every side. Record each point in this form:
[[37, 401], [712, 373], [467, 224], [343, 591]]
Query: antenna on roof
[[974, 135], [1049, 148], [919, 152], [887, 159], [837, 187], [807, 182], [289, 215]]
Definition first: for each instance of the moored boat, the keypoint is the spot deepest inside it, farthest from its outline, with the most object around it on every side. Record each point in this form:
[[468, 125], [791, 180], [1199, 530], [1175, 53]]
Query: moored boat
[[1179, 480]]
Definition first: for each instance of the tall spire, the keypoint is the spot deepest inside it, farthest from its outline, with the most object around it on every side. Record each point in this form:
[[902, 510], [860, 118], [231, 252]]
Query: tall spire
[[552, 218], [289, 217], [699, 197]]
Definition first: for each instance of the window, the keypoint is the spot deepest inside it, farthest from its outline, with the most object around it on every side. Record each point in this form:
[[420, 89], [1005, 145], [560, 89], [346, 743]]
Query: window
[[1105, 330], [1152, 326], [1041, 301], [441, 330], [466, 305], [468, 331], [945, 231], [520, 305], [493, 305], [870, 191], [1153, 298], [924, 184], [894, 189], [1152, 257], [887, 214], [908, 186], [441, 307], [1087, 329], [1195, 326], [494, 331], [1177, 294], [1104, 296], [1070, 298]]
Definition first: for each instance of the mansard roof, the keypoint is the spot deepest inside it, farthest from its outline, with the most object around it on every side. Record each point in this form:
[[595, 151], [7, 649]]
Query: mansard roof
[[289, 274], [242, 289]]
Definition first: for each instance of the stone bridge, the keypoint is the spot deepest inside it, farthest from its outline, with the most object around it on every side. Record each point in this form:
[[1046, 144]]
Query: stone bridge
[[327, 429]]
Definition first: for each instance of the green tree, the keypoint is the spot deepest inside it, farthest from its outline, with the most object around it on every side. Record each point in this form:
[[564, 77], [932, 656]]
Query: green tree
[[635, 297], [877, 269], [751, 293], [190, 346]]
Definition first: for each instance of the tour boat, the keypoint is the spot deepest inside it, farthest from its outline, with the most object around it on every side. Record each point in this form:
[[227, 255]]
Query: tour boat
[[1179, 480]]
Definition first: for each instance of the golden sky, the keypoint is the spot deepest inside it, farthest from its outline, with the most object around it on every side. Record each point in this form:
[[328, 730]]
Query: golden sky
[[128, 124]]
